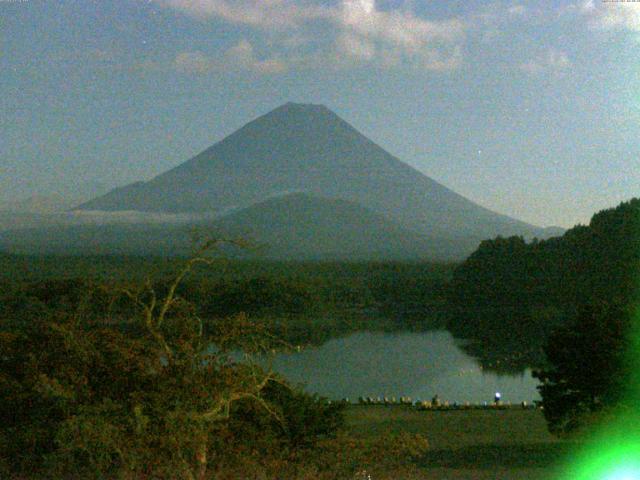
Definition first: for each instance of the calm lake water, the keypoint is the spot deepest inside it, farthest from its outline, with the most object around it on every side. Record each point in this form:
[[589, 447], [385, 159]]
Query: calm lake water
[[418, 365]]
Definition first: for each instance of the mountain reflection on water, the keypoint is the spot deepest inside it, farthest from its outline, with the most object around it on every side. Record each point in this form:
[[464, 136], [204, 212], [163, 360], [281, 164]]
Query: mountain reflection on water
[[418, 365]]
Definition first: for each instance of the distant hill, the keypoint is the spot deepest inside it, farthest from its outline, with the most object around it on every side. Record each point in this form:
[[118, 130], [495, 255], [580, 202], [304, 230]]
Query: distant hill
[[104, 239], [303, 226], [33, 212], [292, 227], [308, 148], [17, 220], [39, 204]]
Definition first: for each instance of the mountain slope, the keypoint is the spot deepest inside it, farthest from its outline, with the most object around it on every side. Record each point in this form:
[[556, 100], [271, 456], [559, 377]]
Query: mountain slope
[[303, 226], [308, 148], [291, 227]]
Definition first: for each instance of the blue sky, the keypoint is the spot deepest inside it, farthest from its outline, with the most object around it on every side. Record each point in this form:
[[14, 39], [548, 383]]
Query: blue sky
[[529, 108]]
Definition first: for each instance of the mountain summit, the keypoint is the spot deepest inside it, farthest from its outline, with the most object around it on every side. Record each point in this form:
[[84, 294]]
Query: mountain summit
[[309, 149]]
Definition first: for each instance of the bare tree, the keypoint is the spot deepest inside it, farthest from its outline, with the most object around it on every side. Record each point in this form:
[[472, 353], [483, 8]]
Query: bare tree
[[221, 360]]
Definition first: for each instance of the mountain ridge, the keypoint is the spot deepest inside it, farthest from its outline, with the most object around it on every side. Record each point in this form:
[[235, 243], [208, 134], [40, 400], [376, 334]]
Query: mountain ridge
[[299, 225], [309, 148], [295, 226]]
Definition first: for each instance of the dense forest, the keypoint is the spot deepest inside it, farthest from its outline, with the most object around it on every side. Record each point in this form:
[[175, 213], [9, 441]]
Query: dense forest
[[303, 303], [509, 295]]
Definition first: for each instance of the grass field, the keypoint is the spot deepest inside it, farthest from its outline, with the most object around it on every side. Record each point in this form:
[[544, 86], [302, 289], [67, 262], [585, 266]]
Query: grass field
[[480, 444]]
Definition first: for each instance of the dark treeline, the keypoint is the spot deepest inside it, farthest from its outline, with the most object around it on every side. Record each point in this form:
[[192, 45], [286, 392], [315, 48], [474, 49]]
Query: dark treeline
[[303, 303], [509, 295]]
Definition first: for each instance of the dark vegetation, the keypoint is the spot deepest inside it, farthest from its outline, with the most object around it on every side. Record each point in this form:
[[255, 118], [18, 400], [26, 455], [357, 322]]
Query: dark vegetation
[[127, 381], [101, 378], [509, 295], [567, 305], [592, 369], [303, 303]]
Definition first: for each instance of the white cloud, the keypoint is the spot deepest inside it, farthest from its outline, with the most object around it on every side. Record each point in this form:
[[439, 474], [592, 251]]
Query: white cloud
[[517, 10], [620, 16], [437, 60], [610, 15], [498, 14], [193, 62], [240, 57], [552, 61], [495, 21], [360, 31], [389, 37], [258, 13], [398, 28], [355, 46]]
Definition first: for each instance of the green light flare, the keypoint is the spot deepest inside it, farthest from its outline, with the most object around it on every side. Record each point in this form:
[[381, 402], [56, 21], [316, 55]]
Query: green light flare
[[613, 452]]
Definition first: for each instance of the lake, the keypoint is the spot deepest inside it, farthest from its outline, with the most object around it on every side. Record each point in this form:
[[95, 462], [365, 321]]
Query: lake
[[418, 365]]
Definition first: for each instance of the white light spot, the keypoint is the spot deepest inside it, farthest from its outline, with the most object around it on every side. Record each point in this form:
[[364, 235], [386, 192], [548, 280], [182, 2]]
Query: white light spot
[[625, 473]]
